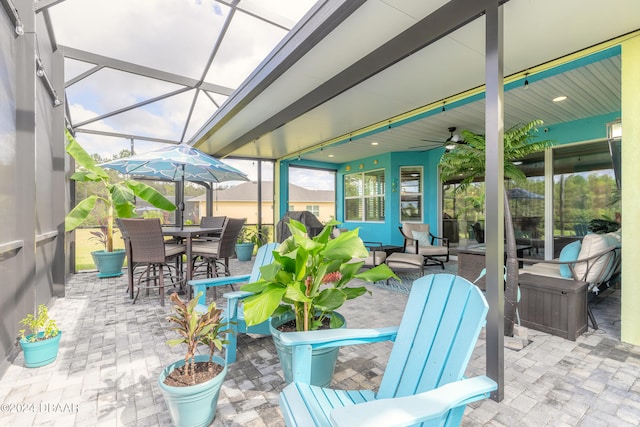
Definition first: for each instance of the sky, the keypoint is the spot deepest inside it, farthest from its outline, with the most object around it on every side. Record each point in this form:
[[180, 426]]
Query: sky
[[174, 36]]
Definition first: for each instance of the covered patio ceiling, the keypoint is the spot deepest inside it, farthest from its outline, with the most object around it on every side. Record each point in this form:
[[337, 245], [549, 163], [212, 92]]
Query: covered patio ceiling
[[379, 66], [347, 70]]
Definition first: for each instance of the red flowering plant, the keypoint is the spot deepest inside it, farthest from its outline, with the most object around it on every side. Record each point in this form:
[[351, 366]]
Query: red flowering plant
[[311, 277]]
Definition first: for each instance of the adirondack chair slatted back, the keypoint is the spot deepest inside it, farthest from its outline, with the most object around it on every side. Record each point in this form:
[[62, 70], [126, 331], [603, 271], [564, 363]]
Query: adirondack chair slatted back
[[263, 257], [437, 335]]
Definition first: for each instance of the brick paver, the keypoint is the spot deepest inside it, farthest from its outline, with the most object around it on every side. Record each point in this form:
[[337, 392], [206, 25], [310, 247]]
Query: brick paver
[[112, 353]]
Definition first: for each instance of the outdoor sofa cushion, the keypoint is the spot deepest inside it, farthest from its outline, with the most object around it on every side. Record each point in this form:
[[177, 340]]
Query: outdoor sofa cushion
[[569, 253]]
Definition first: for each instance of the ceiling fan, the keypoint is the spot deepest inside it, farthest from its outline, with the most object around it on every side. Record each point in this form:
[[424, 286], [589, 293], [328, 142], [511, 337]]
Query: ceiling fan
[[449, 143]]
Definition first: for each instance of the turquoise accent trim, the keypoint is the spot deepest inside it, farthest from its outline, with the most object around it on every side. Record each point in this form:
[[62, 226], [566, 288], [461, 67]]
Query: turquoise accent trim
[[387, 232]]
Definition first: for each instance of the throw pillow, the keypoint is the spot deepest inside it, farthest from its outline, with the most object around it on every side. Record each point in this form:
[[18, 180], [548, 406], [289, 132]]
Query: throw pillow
[[569, 253], [422, 237]]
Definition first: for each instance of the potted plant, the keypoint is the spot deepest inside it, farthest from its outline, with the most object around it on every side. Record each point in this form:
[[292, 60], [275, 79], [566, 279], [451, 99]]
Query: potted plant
[[468, 160], [191, 386], [248, 239], [305, 285], [118, 199], [40, 346]]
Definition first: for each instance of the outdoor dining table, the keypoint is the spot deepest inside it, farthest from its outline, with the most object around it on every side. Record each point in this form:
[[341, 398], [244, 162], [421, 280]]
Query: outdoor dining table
[[187, 233]]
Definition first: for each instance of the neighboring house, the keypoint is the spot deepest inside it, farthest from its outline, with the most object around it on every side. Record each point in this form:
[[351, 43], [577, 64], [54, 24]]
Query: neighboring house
[[240, 202]]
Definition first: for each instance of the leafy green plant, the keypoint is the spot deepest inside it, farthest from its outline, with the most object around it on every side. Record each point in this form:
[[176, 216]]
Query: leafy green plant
[[310, 277], [468, 159], [252, 235], [195, 328], [120, 195], [37, 324]]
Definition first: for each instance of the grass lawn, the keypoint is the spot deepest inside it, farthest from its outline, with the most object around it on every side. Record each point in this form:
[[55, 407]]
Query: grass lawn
[[84, 247]]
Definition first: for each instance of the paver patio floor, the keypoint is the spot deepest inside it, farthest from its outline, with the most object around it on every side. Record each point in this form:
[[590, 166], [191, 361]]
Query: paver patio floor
[[112, 352]]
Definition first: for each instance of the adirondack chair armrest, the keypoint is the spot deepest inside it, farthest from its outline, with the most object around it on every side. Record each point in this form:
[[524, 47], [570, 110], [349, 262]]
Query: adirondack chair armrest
[[201, 285], [338, 337], [236, 295], [410, 410]]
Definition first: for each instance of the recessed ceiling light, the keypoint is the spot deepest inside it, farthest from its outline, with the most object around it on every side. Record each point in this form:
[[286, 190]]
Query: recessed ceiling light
[[559, 98], [331, 155], [374, 143]]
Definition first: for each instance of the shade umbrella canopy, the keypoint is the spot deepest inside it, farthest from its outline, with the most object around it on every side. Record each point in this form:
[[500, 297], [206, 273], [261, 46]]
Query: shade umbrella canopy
[[518, 193], [521, 193], [177, 163], [168, 163]]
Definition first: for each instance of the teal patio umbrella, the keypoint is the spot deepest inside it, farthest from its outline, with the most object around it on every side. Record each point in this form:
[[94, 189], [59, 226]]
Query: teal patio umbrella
[[177, 163]]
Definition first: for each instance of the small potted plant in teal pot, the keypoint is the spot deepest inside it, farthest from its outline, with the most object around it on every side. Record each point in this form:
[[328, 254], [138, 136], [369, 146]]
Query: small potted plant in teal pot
[[40, 346], [307, 282], [247, 241], [191, 386], [118, 199]]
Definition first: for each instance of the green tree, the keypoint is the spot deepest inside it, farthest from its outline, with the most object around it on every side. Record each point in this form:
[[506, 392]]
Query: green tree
[[469, 160]]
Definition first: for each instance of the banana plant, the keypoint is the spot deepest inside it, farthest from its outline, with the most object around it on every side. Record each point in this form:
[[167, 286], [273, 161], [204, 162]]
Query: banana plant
[[311, 277], [119, 196]]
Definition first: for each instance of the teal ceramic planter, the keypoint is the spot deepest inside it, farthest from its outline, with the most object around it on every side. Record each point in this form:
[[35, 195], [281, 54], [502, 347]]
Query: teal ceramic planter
[[244, 251], [323, 361], [40, 353], [193, 406], [109, 264]]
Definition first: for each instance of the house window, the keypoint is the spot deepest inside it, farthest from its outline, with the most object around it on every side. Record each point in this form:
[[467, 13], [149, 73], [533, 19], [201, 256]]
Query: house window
[[314, 209], [411, 194], [364, 196]]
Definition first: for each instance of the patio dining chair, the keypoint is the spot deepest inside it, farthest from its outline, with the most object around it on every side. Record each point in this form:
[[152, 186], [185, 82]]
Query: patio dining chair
[[424, 380], [212, 222], [146, 247], [234, 313], [215, 254]]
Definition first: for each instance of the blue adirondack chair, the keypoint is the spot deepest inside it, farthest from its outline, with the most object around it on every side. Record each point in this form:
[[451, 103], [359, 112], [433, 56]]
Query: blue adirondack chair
[[423, 382], [233, 313]]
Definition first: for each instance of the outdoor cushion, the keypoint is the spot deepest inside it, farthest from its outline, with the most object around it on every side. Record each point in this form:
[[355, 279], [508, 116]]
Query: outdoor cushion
[[423, 237], [593, 244], [544, 269], [569, 253]]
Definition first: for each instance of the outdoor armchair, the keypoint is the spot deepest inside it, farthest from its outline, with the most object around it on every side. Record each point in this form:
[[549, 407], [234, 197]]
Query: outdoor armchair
[[233, 313], [419, 240]]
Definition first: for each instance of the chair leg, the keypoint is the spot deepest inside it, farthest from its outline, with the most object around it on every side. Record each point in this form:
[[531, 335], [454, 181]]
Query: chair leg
[[592, 318], [161, 285]]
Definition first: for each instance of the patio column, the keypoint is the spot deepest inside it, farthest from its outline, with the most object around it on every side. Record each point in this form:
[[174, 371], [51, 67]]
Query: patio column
[[494, 186], [630, 297]]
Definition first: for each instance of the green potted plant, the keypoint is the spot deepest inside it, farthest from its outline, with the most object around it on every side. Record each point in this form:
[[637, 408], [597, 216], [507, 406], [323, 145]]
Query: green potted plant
[[468, 160], [249, 239], [191, 386], [305, 285], [40, 346], [118, 199]]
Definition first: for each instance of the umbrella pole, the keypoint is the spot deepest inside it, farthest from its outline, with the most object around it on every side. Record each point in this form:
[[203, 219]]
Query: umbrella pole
[[182, 201]]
